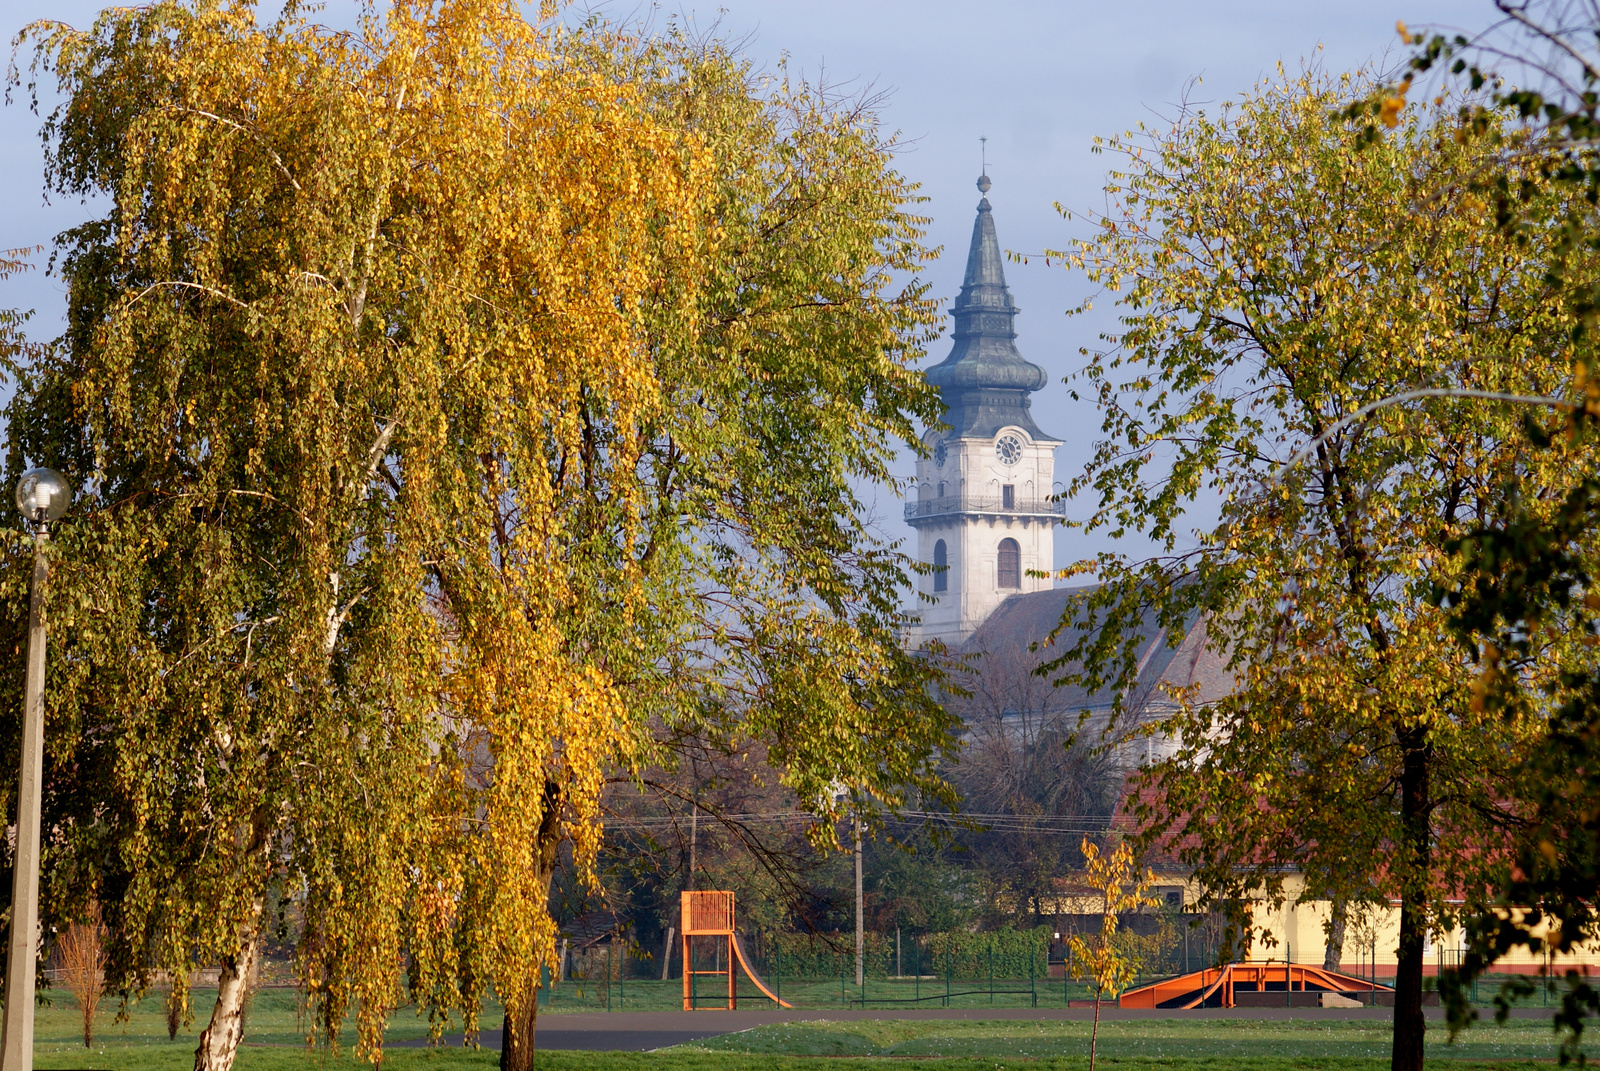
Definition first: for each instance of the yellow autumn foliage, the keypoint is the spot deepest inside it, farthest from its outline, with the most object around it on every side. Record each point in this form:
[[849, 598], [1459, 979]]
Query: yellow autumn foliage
[[467, 409]]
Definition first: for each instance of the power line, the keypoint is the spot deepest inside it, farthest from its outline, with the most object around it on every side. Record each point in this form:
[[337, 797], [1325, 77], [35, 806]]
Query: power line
[[989, 822]]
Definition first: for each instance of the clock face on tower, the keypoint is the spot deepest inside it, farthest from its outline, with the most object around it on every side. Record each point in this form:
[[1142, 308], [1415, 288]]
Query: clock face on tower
[[1009, 449], [939, 455]]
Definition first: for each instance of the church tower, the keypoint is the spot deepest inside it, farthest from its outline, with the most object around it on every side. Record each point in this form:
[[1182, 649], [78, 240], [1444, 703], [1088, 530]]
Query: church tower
[[982, 504]]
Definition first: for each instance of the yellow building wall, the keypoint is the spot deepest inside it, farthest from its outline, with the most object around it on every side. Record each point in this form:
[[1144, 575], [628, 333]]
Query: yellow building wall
[[1295, 930], [1372, 935]]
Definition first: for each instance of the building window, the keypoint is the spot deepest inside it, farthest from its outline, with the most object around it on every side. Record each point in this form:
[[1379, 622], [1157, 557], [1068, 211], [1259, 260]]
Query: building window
[[941, 567], [1008, 496], [1010, 564], [941, 489]]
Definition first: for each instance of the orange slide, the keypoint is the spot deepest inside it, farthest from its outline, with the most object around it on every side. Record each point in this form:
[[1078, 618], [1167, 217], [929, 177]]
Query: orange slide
[[744, 961], [710, 914]]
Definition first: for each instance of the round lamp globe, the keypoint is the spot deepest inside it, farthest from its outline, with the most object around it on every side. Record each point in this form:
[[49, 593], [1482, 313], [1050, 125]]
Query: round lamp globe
[[43, 495]]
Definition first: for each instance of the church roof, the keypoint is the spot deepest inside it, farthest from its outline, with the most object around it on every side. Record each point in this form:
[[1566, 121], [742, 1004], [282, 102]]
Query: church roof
[[1026, 619], [984, 381]]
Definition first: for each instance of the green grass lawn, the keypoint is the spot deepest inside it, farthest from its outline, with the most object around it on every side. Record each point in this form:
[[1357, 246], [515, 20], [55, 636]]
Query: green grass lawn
[[1151, 1040], [275, 1041], [879, 993], [275, 1034]]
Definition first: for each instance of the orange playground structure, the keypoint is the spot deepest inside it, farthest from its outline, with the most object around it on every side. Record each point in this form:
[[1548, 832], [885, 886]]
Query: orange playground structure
[[710, 914], [1216, 986]]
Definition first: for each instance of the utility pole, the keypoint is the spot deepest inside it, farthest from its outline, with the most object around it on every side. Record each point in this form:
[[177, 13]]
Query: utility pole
[[861, 946], [694, 836]]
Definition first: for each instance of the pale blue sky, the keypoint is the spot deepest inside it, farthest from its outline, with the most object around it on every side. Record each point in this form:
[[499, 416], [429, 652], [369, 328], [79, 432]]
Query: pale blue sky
[[1039, 79]]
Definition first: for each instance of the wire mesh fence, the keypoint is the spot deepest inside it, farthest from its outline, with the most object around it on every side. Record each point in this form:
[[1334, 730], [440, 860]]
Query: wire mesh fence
[[999, 969], [1003, 968]]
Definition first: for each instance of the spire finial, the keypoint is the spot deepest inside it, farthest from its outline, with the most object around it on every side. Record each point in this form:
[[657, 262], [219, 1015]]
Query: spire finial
[[983, 180]]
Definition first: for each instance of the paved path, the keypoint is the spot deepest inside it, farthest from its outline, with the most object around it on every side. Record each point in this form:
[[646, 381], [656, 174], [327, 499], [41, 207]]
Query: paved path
[[644, 1031]]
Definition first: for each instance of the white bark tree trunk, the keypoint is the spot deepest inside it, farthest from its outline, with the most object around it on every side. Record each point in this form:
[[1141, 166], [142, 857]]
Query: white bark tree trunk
[[219, 1043]]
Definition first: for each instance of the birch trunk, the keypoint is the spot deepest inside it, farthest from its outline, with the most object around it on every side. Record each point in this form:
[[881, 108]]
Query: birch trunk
[[219, 1043]]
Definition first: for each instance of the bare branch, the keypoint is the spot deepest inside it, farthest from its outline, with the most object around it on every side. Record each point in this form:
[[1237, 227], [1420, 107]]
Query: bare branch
[[230, 299]]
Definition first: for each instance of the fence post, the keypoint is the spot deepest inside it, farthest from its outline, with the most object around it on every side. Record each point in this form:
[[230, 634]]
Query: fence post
[[777, 967], [991, 968], [947, 969]]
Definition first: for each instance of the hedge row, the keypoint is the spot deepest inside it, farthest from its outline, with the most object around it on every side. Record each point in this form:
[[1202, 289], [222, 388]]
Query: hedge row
[[1002, 953], [1007, 953], [798, 955]]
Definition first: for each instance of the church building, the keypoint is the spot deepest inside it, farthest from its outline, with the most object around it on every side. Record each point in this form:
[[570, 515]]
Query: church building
[[983, 508]]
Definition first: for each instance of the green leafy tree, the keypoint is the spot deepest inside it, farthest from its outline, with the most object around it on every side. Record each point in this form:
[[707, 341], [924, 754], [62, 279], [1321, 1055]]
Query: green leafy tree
[[1524, 605], [1317, 330]]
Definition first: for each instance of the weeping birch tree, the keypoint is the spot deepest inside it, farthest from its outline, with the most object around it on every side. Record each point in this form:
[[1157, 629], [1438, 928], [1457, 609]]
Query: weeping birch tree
[[465, 410]]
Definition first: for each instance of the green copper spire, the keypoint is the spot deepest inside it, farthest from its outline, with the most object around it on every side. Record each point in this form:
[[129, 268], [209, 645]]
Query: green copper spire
[[985, 382]]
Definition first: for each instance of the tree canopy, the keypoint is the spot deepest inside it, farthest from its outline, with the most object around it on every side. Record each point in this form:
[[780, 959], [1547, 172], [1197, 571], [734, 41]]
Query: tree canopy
[[466, 412], [1277, 276], [1523, 604]]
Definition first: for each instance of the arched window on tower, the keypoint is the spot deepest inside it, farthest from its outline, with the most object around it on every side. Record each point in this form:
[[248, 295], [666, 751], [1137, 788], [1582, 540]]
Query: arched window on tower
[[1010, 564], [941, 567]]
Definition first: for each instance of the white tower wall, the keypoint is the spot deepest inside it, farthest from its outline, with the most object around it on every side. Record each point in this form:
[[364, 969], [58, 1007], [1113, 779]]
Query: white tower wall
[[972, 518], [986, 491]]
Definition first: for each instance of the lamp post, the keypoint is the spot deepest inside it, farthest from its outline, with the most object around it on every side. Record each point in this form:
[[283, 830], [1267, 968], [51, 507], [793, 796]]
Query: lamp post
[[42, 497]]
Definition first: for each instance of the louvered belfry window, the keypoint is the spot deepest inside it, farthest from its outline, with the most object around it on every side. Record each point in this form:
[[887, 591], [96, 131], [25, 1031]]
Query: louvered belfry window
[[1010, 564]]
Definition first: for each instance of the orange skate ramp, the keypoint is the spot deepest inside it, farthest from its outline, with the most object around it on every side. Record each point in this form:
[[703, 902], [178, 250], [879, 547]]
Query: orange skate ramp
[[1219, 984]]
